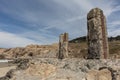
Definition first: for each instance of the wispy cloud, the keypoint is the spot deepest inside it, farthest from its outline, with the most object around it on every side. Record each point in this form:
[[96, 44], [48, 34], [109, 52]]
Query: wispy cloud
[[12, 40], [114, 24], [41, 21], [114, 32]]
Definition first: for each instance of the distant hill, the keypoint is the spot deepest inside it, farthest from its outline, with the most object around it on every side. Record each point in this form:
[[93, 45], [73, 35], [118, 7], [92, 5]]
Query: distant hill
[[84, 38], [78, 40], [114, 38]]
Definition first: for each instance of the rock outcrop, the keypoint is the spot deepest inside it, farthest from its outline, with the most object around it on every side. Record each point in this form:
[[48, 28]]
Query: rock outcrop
[[66, 69], [43, 51]]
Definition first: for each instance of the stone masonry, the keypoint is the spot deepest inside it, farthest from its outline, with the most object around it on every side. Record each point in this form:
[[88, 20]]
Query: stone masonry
[[97, 35], [63, 46]]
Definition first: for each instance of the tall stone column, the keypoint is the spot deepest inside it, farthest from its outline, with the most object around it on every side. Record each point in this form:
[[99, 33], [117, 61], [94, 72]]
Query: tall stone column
[[63, 46], [97, 35]]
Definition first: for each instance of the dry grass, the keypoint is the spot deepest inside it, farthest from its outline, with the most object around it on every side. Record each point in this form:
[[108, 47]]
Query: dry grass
[[79, 50], [114, 48], [76, 50]]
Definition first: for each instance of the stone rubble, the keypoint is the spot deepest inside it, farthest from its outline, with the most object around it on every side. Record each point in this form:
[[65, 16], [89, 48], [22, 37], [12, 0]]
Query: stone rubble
[[67, 69]]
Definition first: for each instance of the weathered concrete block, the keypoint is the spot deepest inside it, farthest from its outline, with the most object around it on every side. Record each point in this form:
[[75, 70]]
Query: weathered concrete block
[[97, 35]]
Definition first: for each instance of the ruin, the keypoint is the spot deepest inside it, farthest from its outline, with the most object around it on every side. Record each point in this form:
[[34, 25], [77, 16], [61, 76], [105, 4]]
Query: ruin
[[63, 46], [97, 35]]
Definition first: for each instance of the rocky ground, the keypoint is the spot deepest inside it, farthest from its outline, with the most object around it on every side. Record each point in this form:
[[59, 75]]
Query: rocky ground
[[41, 51], [4, 68], [76, 50], [66, 69], [39, 62]]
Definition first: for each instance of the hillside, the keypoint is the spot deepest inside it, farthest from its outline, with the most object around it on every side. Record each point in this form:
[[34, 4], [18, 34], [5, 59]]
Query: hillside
[[76, 50], [84, 39]]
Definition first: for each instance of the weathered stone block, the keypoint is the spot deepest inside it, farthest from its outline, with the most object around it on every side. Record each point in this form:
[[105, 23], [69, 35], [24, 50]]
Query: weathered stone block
[[63, 46], [97, 35]]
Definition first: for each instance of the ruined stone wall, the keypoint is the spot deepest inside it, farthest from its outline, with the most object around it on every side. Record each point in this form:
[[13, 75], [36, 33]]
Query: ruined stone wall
[[97, 35]]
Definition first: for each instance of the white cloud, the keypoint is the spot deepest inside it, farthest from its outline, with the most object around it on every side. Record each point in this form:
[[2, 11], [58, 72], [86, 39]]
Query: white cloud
[[117, 8], [114, 24], [42, 37], [12, 40], [114, 33], [64, 22], [76, 25], [68, 16], [114, 28]]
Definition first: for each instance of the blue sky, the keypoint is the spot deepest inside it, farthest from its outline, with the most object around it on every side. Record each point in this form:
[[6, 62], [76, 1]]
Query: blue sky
[[24, 22]]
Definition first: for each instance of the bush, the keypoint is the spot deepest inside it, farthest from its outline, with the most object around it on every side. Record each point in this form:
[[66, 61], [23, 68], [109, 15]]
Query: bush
[[2, 56]]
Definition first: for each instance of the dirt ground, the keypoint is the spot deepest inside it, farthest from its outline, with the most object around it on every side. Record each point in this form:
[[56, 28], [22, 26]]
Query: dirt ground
[[5, 67]]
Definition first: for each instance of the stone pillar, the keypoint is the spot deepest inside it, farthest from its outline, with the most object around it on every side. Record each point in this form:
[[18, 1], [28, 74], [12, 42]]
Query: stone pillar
[[63, 46], [97, 35]]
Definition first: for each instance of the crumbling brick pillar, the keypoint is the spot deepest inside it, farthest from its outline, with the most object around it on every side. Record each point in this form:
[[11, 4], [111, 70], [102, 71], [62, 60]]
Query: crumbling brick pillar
[[97, 35], [63, 46]]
